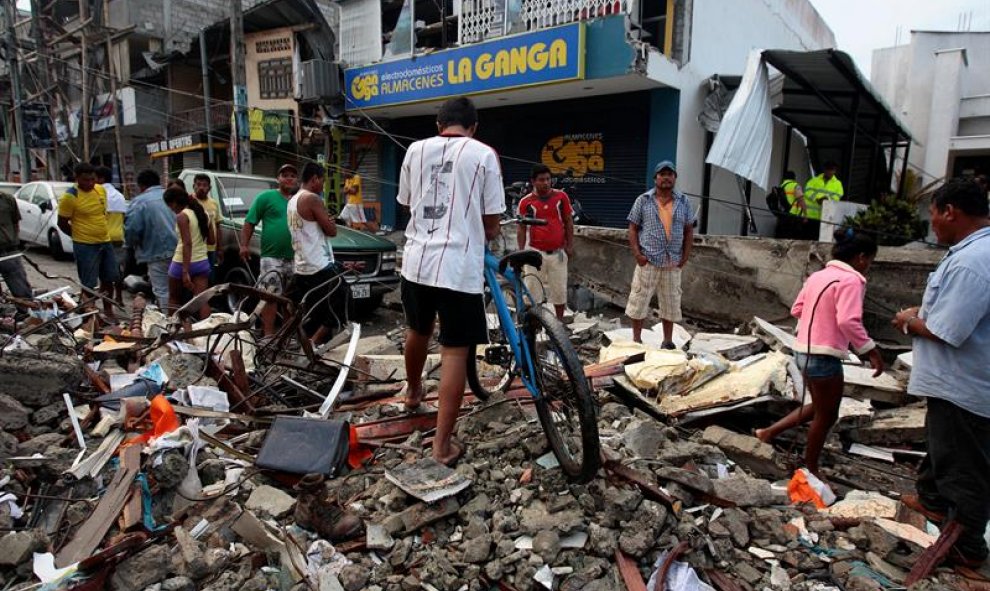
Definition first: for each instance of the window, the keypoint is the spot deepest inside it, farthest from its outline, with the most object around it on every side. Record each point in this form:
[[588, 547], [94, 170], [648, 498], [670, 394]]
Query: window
[[275, 78]]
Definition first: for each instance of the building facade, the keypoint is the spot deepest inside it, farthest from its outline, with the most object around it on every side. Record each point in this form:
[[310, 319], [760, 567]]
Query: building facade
[[940, 84], [598, 90]]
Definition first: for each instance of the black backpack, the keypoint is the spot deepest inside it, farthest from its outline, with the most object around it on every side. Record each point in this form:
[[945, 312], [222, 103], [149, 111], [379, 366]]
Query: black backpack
[[777, 201]]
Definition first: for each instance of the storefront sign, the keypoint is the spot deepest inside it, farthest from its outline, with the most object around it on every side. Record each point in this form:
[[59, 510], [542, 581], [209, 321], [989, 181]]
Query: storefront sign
[[574, 155], [541, 57], [168, 145], [270, 126]]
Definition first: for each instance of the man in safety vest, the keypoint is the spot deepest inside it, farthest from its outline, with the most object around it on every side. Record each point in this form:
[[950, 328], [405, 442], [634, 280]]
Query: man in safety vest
[[792, 211], [825, 186]]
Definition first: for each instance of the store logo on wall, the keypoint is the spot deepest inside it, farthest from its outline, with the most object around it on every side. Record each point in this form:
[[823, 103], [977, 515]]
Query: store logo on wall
[[528, 59], [364, 88], [574, 155]]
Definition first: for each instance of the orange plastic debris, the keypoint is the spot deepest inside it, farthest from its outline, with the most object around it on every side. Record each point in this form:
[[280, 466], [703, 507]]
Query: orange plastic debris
[[805, 487], [163, 420], [357, 453]]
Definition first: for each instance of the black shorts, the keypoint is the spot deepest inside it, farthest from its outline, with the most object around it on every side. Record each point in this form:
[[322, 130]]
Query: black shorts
[[462, 315], [328, 296]]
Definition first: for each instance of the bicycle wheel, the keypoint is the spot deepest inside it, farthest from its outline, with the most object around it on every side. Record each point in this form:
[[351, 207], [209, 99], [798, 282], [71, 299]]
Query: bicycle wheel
[[565, 404], [491, 368]]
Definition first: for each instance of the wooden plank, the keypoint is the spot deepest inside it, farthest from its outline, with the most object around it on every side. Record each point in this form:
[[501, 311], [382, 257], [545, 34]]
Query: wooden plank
[[629, 572], [132, 514], [239, 397], [88, 537]]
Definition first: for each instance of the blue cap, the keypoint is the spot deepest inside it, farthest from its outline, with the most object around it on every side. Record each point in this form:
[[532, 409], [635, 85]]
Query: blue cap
[[664, 164]]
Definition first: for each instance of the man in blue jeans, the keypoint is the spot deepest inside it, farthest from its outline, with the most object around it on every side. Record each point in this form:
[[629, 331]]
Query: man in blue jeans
[[149, 228], [82, 215]]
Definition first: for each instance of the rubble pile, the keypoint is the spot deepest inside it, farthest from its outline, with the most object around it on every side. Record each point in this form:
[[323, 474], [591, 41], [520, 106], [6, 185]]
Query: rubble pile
[[168, 455]]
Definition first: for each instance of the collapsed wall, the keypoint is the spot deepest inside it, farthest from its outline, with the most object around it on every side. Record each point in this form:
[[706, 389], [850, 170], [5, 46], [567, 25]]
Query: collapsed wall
[[730, 279]]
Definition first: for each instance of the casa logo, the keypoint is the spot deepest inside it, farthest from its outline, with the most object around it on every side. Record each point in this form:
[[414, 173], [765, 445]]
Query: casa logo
[[574, 154], [357, 266], [365, 86]]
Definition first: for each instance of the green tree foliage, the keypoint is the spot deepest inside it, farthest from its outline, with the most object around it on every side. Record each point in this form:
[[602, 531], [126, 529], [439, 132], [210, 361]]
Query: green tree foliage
[[892, 221]]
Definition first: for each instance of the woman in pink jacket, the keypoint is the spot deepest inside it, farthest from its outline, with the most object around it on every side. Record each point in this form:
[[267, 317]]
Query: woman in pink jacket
[[829, 310]]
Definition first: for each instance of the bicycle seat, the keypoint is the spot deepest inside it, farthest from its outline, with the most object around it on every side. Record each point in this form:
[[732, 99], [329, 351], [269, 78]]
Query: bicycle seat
[[519, 258]]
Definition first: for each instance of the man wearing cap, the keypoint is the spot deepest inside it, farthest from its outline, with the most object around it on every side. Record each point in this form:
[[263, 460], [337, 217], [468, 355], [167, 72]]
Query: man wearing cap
[[269, 208], [661, 232]]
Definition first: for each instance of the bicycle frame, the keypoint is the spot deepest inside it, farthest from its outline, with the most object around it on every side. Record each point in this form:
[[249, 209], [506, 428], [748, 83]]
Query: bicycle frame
[[513, 336]]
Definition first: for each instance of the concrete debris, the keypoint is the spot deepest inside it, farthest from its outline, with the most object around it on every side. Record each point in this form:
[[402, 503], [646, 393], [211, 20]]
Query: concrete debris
[[714, 498], [731, 346]]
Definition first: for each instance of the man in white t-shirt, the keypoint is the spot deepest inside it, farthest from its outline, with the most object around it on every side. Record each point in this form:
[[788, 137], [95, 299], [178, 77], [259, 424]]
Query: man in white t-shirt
[[452, 185]]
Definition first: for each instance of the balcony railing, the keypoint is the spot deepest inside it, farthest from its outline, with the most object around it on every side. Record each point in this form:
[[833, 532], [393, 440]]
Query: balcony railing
[[486, 19], [194, 120]]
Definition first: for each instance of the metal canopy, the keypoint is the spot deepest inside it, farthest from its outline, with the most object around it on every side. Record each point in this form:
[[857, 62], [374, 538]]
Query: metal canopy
[[825, 97]]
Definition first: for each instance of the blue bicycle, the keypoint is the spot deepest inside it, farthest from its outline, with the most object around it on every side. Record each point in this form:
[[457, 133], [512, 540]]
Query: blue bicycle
[[527, 341]]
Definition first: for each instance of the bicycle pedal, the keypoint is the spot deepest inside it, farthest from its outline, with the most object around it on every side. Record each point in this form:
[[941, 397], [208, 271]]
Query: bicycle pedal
[[497, 355]]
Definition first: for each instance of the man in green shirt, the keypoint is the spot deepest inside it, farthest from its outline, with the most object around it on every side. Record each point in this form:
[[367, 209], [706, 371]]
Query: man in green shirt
[[268, 209]]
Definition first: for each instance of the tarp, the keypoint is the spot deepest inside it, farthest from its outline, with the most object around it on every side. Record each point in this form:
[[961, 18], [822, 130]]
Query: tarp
[[744, 142]]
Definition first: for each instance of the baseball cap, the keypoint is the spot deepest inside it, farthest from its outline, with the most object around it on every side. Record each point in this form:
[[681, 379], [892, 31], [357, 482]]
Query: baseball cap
[[289, 167], [665, 164]]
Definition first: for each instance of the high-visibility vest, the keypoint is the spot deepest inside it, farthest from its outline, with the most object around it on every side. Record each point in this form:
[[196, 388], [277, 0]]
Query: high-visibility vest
[[789, 187], [817, 190]]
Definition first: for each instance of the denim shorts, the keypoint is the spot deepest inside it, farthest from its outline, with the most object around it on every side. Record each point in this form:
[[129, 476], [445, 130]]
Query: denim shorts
[[818, 366], [95, 263], [195, 269]]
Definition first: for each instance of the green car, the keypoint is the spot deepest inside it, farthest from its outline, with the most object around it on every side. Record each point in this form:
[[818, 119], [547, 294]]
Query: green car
[[371, 258]]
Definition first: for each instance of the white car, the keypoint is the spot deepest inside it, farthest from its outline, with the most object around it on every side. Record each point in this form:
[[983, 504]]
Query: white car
[[38, 204]]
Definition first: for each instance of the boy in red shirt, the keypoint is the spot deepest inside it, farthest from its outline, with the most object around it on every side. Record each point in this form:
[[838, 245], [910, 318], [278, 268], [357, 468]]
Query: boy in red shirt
[[555, 241]]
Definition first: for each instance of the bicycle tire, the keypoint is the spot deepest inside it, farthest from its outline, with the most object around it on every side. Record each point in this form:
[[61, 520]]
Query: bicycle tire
[[484, 379], [565, 396]]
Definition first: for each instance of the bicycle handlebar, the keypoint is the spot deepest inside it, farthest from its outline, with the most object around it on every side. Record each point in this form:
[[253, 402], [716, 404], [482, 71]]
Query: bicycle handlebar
[[524, 221]]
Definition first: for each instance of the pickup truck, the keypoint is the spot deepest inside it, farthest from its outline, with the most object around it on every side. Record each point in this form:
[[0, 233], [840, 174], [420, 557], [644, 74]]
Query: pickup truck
[[372, 258]]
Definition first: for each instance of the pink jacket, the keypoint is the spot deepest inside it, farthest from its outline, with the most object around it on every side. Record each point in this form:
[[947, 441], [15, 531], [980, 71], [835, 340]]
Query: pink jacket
[[839, 316]]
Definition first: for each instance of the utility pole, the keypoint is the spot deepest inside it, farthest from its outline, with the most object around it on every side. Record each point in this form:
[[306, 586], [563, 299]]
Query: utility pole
[[206, 99], [51, 159], [238, 70], [118, 119], [84, 77], [15, 85]]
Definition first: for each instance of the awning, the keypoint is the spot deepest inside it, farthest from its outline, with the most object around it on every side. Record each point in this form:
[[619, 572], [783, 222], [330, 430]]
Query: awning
[[844, 119]]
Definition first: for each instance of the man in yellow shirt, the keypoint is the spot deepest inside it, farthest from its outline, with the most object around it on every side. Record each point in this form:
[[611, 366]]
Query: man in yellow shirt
[[82, 215], [353, 212], [824, 187], [201, 190]]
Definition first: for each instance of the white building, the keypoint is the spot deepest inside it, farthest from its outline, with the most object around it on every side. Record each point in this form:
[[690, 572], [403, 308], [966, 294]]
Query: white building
[[940, 84]]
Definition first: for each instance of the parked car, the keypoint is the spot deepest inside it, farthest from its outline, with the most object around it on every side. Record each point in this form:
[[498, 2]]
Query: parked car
[[373, 259], [38, 204]]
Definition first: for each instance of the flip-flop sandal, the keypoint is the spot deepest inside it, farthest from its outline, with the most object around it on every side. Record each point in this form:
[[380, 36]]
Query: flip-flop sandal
[[410, 402], [458, 448]]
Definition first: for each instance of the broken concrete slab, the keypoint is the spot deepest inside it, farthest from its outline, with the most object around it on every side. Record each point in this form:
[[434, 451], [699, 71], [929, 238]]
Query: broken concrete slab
[[37, 379], [858, 504], [389, 368], [745, 491], [766, 375], [269, 500], [894, 426], [427, 479], [731, 346], [422, 514], [16, 547], [860, 383], [13, 414], [746, 450], [774, 336], [142, 570]]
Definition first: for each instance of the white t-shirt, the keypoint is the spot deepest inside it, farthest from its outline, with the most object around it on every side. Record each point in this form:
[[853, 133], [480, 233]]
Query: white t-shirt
[[116, 202], [449, 183]]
